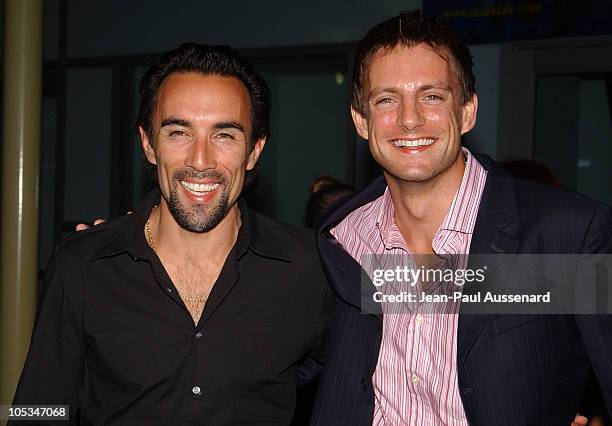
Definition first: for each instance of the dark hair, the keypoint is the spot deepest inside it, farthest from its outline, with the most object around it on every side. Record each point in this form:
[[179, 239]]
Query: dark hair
[[410, 29], [324, 192], [207, 60]]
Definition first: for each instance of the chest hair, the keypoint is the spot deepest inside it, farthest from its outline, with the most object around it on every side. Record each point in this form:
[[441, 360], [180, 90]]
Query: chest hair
[[194, 281]]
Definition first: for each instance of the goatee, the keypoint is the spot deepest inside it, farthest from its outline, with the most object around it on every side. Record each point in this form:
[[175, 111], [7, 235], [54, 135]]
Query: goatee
[[199, 218]]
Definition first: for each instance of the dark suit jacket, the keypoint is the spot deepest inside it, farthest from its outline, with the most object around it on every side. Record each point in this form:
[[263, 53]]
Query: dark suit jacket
[[512, 369]]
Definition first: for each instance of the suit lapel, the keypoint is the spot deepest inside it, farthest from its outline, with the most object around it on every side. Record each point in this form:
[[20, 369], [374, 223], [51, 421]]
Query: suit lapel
[[346, 277], [344, 273], [495, 233]]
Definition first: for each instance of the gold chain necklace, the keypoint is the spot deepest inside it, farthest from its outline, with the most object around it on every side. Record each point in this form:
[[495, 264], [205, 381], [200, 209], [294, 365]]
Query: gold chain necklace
[[152, 245]]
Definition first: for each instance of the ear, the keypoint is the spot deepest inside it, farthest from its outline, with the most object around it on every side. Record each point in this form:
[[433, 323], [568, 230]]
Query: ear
[[361, 123], [470, 109], [255, 153], [147, 146]]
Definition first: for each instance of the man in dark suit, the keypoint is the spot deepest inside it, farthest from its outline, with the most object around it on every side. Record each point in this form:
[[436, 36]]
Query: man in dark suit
[[413, 98]]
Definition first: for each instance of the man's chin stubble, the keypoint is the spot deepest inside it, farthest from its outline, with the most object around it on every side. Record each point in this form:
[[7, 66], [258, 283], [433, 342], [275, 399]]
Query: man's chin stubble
[[198, 221]]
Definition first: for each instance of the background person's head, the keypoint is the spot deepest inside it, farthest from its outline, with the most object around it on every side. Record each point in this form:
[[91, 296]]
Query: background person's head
[[324, 192]]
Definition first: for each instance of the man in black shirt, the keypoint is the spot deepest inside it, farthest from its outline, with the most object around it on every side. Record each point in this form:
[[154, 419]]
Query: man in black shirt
[[194, 309]]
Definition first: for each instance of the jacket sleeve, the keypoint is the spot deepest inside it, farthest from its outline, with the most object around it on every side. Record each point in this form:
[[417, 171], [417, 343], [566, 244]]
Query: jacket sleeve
[[53, 373], [596, 330]]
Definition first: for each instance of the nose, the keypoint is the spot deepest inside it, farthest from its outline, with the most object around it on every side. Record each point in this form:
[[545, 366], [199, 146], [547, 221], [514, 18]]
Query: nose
[[201, 155], [410, 114]]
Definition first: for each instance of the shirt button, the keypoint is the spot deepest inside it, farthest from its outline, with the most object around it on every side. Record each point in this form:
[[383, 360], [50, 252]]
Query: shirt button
[[419, 319], [196, 390], [415, 379], [198, 335]]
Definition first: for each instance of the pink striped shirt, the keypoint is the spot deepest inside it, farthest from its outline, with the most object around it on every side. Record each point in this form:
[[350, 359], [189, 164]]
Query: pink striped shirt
[[415, 380]]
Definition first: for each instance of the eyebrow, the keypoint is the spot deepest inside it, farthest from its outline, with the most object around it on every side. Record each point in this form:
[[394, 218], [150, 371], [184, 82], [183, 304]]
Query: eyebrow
[[382, 90], [217, 126], [175, 122], [420, 89], [228, 125], [436, 86]]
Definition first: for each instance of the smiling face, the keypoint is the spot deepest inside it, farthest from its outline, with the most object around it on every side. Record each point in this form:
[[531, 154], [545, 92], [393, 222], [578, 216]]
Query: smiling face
[[200, 129], [414, 117]]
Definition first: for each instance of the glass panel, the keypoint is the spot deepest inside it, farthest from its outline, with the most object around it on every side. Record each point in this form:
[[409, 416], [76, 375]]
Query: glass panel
[[144, 179], [594, 174], [88, 148], [128, 161], [573, 132], [46, 216], [309, 136]]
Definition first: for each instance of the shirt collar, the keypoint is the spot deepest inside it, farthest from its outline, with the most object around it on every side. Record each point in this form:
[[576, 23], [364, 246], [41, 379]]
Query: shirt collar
[[461, 216], [390, 234], [129, 237], [259, 234]]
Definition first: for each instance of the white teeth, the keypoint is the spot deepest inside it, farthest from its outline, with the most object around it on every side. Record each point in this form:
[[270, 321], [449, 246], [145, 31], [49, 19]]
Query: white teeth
[[199, 188], [413, 143]]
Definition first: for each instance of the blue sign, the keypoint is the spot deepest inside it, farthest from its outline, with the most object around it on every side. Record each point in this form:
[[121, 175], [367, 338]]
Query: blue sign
[[495, 21]]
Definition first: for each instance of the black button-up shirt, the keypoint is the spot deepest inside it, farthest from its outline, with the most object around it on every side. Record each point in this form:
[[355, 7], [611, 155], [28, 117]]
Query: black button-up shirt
[[114, 340]]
